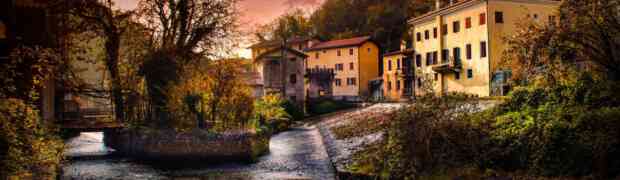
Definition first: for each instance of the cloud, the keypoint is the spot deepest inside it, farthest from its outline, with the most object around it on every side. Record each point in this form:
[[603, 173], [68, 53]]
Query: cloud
[[298, 3]]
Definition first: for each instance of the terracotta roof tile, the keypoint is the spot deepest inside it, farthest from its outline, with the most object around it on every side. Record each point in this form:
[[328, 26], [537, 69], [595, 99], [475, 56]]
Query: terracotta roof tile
[[340, 43]]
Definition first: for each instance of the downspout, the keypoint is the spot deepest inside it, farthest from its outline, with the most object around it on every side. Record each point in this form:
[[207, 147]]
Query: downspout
[[488, 48]]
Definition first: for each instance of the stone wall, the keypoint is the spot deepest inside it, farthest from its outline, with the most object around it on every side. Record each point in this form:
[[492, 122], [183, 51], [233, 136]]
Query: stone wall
[[195, 145]]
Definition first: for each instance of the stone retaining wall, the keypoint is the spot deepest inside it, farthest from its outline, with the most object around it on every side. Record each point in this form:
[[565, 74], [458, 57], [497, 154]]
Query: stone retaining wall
[[195, 145]]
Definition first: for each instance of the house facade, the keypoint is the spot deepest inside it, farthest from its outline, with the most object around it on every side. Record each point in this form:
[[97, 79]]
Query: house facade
[[398, 75], [282, 72], [354, 62], [459, 47]]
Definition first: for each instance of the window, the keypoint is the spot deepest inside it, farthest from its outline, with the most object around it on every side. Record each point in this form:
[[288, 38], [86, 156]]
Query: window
[[339, 67], [351, 66], [369, 50], [551, 20], [301, 47], [418, 60], [350, 51], [338, 82], [444, 29], [418, 37], [389, 65], [456, 52], [436, 77], [483, 18], [398, 64], [338, 52], [435, 33], [419, 81], [470, 74], [499, 17], [293, 78], [457, 75], [468, 51], [467, 22], [535, 16], [3, 30], [389, 85], [445, 54], [435, 57], [426, 35], [428, 59], [351, 81], [483, 49], [398, 85], [293, 59], [456, 26], [316, 55]]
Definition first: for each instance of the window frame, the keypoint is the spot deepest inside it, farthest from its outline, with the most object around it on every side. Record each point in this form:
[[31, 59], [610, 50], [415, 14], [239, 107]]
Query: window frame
[[470, 73], [456, 26], [468, 51], [467, 22], [483, 49], [482, 19]]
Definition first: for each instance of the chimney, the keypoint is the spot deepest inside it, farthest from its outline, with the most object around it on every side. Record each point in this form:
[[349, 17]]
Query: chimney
[[437, 4]]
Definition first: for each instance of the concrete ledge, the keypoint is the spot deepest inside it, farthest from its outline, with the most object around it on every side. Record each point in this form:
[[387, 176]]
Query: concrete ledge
[[196, 145]]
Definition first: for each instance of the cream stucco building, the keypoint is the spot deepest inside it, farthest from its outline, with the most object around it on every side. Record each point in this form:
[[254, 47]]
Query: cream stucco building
[[355, 62], [459, 46]]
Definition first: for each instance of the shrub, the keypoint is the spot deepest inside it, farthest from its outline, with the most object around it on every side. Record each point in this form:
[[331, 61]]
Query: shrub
[[31, 147], [295, 111], [319, 107], [270, 112]]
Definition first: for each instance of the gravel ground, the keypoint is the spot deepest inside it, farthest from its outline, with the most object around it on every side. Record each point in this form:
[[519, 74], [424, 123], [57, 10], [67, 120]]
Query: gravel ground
[[340, 151]]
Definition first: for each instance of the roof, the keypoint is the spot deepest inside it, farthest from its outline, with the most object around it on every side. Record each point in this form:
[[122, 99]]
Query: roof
[[404, 51], [357, 41], [301, 54], [274, 43], [464, 4]]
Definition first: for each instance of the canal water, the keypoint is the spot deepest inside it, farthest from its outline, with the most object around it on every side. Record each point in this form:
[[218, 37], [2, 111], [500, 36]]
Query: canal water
[[295, 154]]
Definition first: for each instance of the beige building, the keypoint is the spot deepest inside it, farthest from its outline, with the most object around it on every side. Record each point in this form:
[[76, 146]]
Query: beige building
[[355, 62], [398, 75], [459, 46]]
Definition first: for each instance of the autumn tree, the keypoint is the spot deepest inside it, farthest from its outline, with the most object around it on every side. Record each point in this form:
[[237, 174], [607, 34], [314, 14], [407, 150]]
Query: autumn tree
[[183, 32], [100, 19], [584, 37]]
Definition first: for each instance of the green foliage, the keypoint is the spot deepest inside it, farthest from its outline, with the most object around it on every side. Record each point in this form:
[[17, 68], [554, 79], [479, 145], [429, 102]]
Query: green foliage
[[31, 147], [296, 112], [270, 113], [327, 106]]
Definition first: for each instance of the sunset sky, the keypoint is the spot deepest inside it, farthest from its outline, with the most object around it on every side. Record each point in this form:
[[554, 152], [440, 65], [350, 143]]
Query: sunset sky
[[253, 12]]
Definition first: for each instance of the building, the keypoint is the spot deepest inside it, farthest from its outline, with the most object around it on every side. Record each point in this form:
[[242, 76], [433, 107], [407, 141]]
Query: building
[[296, 43], [398, 75], [29, 23], [355, 62], [459, 46], [282, 71]]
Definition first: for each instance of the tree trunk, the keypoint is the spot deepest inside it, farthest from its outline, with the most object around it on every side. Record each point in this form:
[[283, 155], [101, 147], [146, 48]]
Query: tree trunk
[[112, 45]]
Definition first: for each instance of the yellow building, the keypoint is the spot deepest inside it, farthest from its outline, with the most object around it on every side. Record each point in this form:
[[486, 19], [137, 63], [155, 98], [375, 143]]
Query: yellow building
[[397, 75], [459, 47], [355, 62]]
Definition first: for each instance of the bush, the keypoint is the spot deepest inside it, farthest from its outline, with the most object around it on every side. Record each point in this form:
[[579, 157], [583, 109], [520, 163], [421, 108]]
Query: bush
[[271, 114], [31, 148], [295, 111], [319, 107]]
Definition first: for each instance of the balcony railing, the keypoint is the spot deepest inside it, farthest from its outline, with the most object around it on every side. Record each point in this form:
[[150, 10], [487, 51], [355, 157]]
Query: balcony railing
[[447, 66]]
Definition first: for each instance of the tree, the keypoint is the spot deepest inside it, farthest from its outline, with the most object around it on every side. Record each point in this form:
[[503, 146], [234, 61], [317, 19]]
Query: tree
[[183, 32], [100, 18], [587, 33]]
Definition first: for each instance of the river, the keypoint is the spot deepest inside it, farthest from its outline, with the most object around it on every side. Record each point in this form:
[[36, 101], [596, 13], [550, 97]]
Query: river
[[295, 154]]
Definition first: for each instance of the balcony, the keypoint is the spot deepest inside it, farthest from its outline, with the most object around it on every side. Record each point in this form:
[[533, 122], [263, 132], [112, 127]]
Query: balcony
[[449, 66]]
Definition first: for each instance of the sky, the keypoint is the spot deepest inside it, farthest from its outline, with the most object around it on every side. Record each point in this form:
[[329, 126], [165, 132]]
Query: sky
[[253, 13]]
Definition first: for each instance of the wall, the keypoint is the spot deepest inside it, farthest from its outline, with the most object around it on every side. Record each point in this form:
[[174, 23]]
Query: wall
[[272, 75], [391, 76], [193, 146], [328, 58], [368, 65]]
